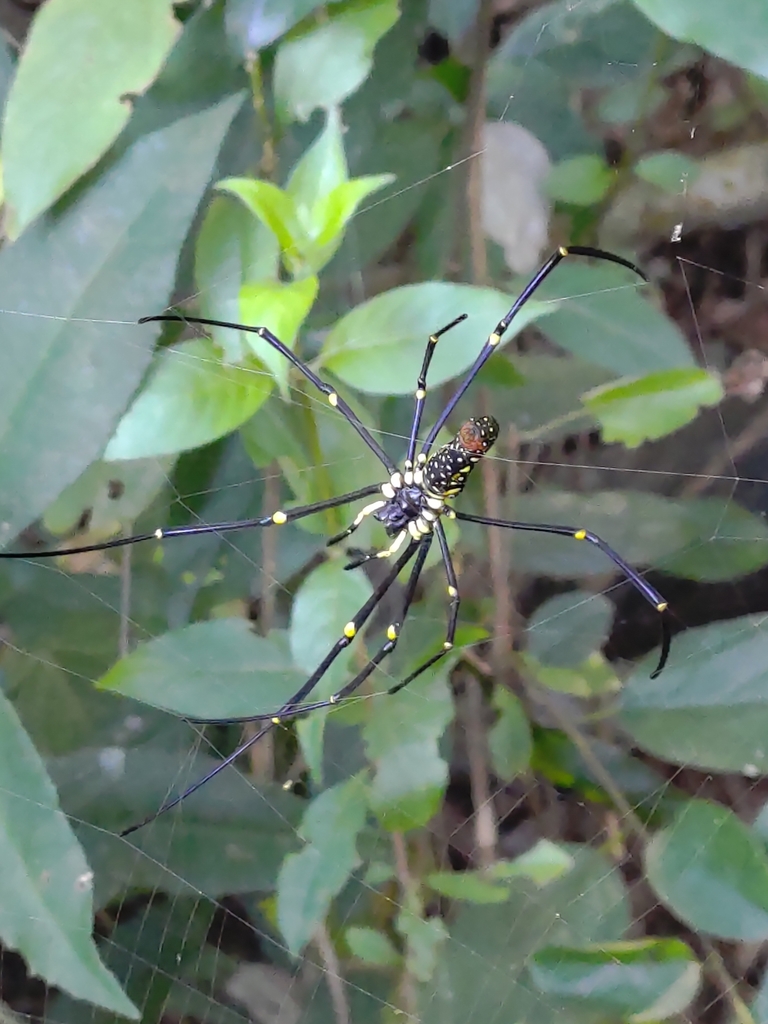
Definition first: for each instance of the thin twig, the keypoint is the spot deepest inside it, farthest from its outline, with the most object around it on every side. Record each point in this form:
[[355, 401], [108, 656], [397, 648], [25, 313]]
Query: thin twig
[[124, 638], [407, 891], [333, 975]]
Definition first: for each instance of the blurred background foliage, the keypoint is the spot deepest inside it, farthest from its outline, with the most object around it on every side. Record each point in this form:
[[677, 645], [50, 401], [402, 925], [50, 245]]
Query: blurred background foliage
[[534, 830]]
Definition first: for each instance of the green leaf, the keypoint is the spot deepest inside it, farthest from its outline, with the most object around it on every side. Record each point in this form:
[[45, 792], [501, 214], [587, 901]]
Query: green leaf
[[402, 740], [705, 539], [274, 208], [210, 670], [424, 938], [191, 398], [111, 253], [652, 979], [482, 971], [668, 169], [372, 946], [712, 871], [737, 36], [378, 347], [331, 214], [709, 708], [254, 24], [310, 879], [580, 180], [653, 406], [603, 317], [230, 837], [283, 308], [231, 250], [543, 864], [64, 113], [509, 739], [328, 61], [325, 602], [46, 887], [567, 629], [321, 168], [467, 885]]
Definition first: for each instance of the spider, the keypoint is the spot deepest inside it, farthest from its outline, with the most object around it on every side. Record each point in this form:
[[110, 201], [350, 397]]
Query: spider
[[409, 504]]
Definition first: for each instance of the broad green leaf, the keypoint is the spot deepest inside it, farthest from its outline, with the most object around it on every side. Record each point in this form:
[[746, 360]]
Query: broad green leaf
[[736, 35], [372, 946], [567, 629], [401, 739], [254, 24], [671, 171], [712, 872], [482, 975], [325, 602], [652, 406], [580, 180], [229, 837], [331, 214], [63, 113], [321, 168], [509, 738], [275, 209], [647, 980], [111, 254], [310, 879], [192, 397], [603, 317], [283, 308], [231, 250], [543, 864], [328, 61], [709, 707], [424, 938], [209, 670], [705, 538], [113, 496], [378, 347], [593, 677], [467, 885], [46, 887]]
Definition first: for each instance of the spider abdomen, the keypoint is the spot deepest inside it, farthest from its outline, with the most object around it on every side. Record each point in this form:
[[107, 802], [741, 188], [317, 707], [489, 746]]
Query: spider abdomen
[[445, 473]]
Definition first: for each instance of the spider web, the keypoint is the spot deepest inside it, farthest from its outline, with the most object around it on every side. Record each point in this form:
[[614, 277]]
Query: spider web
[[221, 954]]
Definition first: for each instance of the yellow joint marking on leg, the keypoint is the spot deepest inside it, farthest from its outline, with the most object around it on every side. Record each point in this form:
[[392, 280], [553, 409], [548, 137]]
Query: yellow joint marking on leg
[[433, 339], [276, 720], [159, 534], [333, 699], [392, 632], [453, 592], [279, 518], [388, 490], [421, 458], [447, 646], [450, 513], [350, 629], [396, 480], [421, 394], [494, 339], [333, 399], [563, 251], [662, 606], [580, 535]]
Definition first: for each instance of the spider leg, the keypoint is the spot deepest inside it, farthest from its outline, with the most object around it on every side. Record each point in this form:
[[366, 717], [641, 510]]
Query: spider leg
[[494, 339], [421, 386], [361, 515], [333, 398], [367, 556], [278, 518], [453, 611], [651, 595], [293, 705]]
